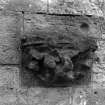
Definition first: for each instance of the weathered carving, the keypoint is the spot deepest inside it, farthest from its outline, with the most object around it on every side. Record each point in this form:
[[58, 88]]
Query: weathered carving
[[59, 61], [59, 49]]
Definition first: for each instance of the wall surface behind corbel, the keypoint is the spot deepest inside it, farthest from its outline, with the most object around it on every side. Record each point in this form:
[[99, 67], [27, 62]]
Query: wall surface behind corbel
[[11, 27]]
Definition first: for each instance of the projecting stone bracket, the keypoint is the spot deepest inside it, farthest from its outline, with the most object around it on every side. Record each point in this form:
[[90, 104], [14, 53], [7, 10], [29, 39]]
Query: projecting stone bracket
[[57, 63], [57, 60]]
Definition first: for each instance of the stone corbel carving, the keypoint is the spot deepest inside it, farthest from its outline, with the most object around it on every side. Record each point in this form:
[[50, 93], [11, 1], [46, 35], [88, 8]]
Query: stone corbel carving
[[57, 62]]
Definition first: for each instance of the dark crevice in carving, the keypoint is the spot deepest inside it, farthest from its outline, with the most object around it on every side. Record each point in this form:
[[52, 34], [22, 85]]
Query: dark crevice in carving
[[96, 92], [84, 26], [55, 64]]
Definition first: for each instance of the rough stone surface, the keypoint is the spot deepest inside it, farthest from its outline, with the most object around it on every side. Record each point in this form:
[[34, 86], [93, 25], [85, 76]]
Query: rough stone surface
[[9, 33], [93, 7], [11, 93], [57, 25], [9, 83], [9, 76], [87, 96]]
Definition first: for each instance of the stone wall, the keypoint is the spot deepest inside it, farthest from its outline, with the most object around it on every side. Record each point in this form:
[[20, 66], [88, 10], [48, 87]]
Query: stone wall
[[13, 16]]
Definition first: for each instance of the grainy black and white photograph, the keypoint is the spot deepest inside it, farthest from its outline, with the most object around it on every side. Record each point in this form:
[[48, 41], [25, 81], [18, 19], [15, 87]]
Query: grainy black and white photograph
[[52, 52]]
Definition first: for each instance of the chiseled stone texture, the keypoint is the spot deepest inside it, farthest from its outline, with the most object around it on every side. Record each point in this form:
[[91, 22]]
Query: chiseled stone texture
[[11, 92], [9, 84], [94, 94], [9, 76], [88, 96], [75, 6], [48, 96], [44, 25], [43, 96], [9, 38], [92, 7]]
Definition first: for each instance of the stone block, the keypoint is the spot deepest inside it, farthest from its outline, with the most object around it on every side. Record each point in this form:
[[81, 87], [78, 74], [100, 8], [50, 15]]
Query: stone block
[[98, 77], [56, 6], [9, 84], [89, 96], [95, 97], [101, 53], [10, 31], [9, 77], [40, 24], [72, 6], [26, 5], [48, 96]]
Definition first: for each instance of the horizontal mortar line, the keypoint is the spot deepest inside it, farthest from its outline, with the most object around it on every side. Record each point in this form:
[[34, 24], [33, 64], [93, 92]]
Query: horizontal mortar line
[[57, 14], [9, 64], [48, 13]]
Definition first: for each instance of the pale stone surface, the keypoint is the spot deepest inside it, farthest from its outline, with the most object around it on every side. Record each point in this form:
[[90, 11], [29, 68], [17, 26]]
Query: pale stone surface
[[10, 91], [98, 68], [92, 7], [11, 98], [22, 97], [9, 83], [9, 34], [26, 5], [78, 6], [48, 96], [99, 77], [9, 76], [95, 85], [79, 97], [44, 96], [96, 97], [89, 96]]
